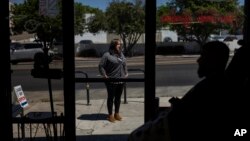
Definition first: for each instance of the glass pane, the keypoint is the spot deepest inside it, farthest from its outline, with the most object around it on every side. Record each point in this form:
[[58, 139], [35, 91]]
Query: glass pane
[[181, 32], [104, 21], [36, 62], [189, 80]]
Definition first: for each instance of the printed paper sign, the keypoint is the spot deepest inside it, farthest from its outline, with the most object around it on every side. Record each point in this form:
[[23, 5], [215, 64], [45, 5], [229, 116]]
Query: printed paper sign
[[20, 96]]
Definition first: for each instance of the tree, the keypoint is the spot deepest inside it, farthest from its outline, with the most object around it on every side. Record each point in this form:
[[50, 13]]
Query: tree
[[123, 18], [162, 10], [26, 17], [81, 11], [97, 22], [238, 22], [199, 18]]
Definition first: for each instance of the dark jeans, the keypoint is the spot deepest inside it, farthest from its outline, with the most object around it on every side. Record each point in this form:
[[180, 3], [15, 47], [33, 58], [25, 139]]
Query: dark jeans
[[114, 96]]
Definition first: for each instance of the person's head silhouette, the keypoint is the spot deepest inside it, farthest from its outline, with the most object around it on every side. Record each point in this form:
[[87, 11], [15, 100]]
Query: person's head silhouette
[[213, 59]]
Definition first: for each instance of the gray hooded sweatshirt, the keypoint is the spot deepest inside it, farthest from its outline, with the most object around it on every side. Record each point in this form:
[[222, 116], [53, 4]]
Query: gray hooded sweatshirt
[[113, 65]]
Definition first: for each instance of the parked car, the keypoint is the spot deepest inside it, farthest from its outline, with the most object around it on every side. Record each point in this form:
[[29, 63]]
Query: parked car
[[22, 52], [218, 38], [167, 39], [186, 38], [84, 47], [58, 50], [230, 38], [83, 42]]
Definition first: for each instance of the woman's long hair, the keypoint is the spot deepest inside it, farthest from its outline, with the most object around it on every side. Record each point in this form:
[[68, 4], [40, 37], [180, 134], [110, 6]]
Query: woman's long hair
[[112, 45]]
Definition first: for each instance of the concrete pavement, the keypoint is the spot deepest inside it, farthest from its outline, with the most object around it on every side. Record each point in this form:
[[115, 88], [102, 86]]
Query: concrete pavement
[[91, 122], [135, 92]]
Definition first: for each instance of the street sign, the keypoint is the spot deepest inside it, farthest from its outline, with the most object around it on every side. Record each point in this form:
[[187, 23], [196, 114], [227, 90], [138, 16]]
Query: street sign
[[20, 96]]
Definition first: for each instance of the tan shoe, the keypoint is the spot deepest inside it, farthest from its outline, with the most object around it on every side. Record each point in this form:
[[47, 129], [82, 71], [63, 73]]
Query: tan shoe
[[118, 117], [111, 118]]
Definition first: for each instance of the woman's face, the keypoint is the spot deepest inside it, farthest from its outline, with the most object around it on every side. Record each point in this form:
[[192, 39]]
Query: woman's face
[[118, 47]]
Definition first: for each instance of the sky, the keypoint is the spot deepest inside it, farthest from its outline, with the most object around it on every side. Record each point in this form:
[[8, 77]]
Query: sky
[[102, 4]]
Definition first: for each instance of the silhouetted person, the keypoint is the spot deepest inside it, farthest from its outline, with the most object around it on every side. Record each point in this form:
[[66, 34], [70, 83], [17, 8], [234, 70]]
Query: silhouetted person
[[238, 69], [237, 75], [199, 114]]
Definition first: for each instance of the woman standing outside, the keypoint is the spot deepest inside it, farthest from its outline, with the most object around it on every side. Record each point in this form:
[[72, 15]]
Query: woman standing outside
[[113, 65]]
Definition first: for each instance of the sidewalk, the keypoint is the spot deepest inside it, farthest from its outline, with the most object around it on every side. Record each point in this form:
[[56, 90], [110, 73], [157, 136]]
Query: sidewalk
[[91, 122], [81, 94]]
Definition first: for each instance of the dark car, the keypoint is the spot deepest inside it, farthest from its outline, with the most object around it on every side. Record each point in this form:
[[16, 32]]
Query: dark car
[[86, 42], [85, 48], [186, 38], [230, 38], [167, 39]]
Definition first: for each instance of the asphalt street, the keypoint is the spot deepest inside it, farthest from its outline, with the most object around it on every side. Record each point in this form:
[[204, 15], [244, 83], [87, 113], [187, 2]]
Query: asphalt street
[[173, 73]]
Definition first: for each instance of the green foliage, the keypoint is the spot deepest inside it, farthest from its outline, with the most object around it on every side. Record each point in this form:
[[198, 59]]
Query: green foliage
[[162, 10], [26, 17], [22, 13], [200, 8], [79, 22], [97, 22], [123, 18], [127, 20], [80, 10]]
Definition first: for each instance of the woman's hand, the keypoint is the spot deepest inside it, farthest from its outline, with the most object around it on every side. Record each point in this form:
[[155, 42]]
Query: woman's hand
[[126, 75], [105, 76]]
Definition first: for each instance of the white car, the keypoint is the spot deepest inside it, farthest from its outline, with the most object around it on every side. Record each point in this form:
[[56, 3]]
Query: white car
[[218, 38], [22, 52]]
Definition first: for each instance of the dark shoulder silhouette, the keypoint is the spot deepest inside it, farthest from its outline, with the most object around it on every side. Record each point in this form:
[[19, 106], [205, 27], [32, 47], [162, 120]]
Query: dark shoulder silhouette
[[237, 75], [200, 108]]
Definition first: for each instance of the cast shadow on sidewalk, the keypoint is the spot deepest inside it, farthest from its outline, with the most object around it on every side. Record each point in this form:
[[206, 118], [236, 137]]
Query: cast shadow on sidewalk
[[96, 116]]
